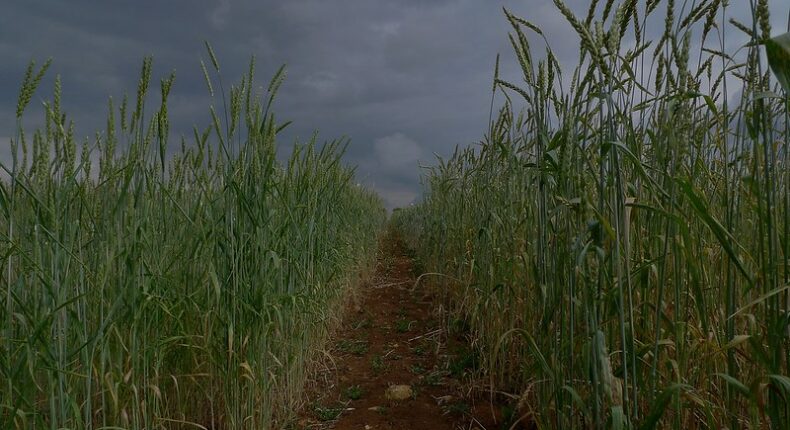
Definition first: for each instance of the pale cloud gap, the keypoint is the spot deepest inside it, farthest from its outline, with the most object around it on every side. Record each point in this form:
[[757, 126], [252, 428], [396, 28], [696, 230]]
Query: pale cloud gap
[[394, 160], [221, 14], [397, 151]]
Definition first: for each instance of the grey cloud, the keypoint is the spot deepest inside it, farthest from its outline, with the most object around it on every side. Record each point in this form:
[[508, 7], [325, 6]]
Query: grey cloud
[[404, 72], [394, 166], [397, 151], [219, 16]]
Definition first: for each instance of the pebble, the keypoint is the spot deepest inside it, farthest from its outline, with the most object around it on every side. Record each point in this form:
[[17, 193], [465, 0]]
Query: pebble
[[398, 392]]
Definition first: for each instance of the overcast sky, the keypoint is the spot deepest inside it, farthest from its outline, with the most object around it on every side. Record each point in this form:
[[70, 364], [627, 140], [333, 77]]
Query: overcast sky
[[404, 79]]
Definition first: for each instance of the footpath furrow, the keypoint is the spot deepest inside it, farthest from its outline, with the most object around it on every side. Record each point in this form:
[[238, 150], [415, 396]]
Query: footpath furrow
[[391, 366]]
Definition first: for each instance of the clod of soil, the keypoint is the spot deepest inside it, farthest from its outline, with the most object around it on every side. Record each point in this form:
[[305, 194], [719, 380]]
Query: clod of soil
[[399, 392]]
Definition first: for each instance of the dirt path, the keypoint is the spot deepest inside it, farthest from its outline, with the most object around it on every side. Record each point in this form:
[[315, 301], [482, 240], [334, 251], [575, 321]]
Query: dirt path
[[391, 365]]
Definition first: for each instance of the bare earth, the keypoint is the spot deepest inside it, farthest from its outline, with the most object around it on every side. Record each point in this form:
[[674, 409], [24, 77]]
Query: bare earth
[[392, 364]]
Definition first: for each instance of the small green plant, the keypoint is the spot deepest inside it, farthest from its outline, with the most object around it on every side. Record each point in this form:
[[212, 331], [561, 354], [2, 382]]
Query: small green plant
[[377, 364], [459, 326], [354, 346], [433, 378], [402, 325], [354, 392], [463, 361], [324, 413], [461, 408]]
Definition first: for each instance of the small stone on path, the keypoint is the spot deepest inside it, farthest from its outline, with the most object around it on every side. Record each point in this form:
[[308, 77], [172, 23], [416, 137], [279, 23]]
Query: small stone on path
[[398, 392]]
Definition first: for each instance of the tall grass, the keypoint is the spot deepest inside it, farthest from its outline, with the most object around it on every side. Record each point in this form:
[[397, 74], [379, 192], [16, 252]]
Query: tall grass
[[620, 245], [147, 290]]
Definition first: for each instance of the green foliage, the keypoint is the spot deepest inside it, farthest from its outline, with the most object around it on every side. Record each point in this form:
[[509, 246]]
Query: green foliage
[[402, 325], [778, 52], [324, 413], [162, 289], [354, 392], [618, 242], [462, 362], [377, 364], [355, 346]]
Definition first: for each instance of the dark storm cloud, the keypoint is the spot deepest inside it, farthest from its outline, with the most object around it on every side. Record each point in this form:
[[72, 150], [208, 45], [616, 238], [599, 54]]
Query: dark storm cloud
[[404, 79]]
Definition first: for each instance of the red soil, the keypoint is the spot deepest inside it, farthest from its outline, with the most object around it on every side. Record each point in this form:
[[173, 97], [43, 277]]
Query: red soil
[[393, 335]]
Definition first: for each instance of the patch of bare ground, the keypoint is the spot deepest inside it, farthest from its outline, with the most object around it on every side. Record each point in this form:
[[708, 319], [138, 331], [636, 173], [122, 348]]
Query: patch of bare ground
[[392, 364]]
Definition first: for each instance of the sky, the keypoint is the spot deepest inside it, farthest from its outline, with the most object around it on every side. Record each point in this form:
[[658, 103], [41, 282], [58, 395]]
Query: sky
[[405, 80]]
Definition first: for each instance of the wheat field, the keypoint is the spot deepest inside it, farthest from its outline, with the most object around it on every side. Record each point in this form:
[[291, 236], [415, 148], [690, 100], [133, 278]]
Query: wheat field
[[619, 239]]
